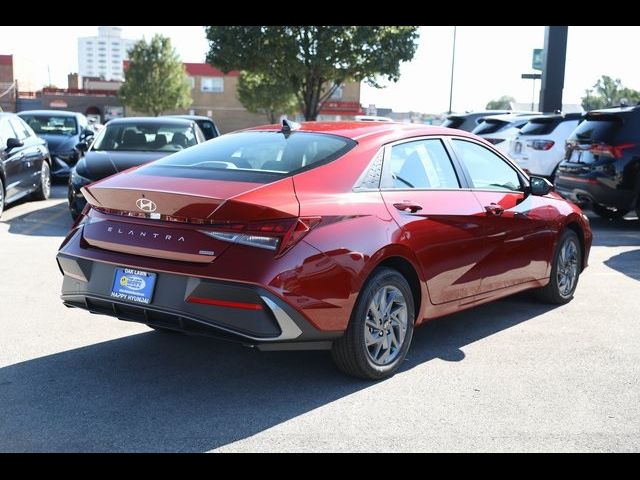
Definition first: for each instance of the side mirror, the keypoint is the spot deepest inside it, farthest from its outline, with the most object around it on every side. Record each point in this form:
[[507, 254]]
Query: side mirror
[[86, 133], [82, 146], [540, 186], [13, 143]]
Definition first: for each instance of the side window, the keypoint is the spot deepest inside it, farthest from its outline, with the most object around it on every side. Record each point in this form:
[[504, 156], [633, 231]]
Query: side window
[[6, 132], [487, 170], [420, 164], [21, 129]]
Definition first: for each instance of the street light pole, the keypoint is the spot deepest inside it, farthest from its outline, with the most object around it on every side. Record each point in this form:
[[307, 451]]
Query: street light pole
[[453, 62]]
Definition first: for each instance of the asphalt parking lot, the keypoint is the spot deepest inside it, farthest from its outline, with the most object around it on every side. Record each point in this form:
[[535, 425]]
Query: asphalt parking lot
[[514, 375]]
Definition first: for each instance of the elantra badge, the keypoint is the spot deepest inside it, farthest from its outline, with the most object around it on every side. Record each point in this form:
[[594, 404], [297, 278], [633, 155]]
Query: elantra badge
[[146, 205]]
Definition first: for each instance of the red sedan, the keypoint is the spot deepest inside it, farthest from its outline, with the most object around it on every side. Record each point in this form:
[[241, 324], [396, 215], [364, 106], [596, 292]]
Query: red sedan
[[341, 236]]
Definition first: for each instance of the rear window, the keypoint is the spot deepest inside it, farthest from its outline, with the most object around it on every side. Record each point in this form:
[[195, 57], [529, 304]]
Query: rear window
[[540, 126], [598, 129], [489, 126], [268, 152], [207, 128], [453, 122]]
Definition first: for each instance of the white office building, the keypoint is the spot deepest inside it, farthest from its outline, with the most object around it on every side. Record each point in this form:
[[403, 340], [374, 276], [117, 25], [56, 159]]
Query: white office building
[[102, 56]]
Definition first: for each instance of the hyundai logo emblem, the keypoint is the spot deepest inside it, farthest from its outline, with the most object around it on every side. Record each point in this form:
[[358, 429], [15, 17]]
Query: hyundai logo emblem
[[146, 205]]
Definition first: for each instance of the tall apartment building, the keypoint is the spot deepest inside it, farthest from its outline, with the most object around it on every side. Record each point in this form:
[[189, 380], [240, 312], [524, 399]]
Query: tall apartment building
[[102, 56]]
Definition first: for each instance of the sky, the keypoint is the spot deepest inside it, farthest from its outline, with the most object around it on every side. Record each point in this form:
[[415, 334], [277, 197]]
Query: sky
[[488, 61]]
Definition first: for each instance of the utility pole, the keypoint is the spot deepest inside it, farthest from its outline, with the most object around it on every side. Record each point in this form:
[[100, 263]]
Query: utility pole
[[553, 64], [453, 62], [49, 72]]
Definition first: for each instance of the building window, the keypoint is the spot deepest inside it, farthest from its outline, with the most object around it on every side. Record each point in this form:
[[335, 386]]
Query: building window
[[192, 82], [337, 95], [212, 84]]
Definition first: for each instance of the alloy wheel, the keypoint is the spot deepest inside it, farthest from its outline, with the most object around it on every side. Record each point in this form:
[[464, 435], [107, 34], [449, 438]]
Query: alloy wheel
[[45, 179], [567, 271], [385, 326]]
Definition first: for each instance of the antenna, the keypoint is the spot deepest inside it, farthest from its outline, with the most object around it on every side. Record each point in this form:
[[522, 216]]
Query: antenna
[[288, 126]]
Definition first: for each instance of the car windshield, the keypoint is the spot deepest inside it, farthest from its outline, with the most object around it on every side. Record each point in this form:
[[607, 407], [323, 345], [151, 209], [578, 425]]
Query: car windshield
[[272, 152], [51, 124], [149, 137]]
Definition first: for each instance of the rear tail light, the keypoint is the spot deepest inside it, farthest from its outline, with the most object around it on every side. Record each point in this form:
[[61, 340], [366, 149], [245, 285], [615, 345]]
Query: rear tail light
[[541, 144], [610, 150], [278, 235]]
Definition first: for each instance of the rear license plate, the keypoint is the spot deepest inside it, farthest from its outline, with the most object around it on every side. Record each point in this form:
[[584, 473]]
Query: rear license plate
[[133, 285], [518, 147]]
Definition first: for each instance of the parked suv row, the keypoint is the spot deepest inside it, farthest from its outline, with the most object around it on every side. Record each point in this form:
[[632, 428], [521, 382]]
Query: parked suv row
[[601, 168]]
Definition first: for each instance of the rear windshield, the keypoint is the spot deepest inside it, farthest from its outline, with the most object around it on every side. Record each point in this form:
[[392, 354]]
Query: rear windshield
[[490, 126], [51, 124], [598, 129], [453, 122], [207, 129], [540, 126], [268, 152], [148, 137]]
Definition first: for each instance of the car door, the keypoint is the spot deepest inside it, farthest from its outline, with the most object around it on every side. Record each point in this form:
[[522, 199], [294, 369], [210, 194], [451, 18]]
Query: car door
[[423, 191], [519, 234], [33, 154], [11, 161]]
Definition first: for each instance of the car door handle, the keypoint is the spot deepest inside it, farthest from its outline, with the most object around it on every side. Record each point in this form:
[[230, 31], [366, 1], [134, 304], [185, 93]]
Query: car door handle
[[408, 206], [494, 209]]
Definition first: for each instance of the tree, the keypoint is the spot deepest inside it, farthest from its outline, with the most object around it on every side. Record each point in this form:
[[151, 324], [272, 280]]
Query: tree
[[155, 80], [313, 60], [503, 103], [609, 92], [268, 95]]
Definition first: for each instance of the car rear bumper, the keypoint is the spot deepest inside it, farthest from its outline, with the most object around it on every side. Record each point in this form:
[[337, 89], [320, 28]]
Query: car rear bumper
[[587, 190], [248, 314]]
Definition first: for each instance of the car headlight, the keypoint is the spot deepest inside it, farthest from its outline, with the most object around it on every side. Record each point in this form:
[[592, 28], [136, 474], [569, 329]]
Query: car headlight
[[78, 180]]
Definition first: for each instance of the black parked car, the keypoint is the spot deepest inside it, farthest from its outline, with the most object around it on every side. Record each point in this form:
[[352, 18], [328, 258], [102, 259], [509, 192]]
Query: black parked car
[[128, 142], [206, 124], [601, 168], [469, 121], [24, 162], [62, 132]]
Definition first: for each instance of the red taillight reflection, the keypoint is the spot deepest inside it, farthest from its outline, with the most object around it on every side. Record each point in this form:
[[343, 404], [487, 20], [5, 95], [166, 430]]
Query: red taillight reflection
[[614, 151], [224, 303], [542, 144]]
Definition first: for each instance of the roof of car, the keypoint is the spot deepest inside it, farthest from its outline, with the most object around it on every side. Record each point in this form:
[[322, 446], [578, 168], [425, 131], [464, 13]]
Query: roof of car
[[616, 109], [61, 113], [152, 120], [191, 117], [510, 117], [356, 130]]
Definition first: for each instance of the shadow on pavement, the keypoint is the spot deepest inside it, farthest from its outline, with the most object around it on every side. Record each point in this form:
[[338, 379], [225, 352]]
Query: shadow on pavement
[[627, 263], [53, 221], [161, 392], [615, 233]]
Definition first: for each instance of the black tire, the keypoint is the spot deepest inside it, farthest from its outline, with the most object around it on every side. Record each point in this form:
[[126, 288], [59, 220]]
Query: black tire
[[638, 208], [44, 190], [554, 292], [350, 353], [607, 213], [1, 197]]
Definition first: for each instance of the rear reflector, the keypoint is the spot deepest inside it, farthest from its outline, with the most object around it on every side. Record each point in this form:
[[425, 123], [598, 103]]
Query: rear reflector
[[614, 151], [224, 303]]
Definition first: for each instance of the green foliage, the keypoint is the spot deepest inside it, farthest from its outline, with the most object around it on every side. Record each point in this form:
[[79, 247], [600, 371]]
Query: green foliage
[[313, 60], [262, 94], [155, 80], [608, 92], [502, 103]]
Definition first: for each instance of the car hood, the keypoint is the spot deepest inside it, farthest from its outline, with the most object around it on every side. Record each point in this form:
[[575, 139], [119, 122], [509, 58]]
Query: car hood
[[97, 165], [60, 143]]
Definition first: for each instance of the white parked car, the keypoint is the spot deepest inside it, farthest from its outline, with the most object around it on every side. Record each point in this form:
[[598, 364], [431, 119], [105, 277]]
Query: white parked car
[[539, 147], [499, 129]]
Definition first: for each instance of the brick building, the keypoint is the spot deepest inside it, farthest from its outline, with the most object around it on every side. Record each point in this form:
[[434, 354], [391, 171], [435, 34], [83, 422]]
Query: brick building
[[7, 84]]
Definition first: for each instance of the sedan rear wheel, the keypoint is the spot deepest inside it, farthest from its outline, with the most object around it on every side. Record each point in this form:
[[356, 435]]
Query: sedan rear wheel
[[44, 190], [380, 330]]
